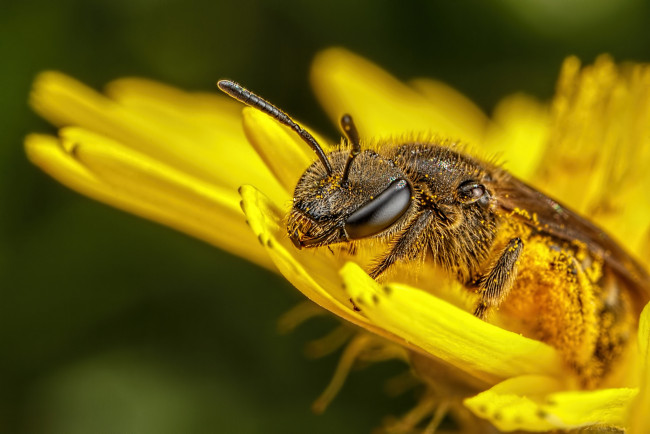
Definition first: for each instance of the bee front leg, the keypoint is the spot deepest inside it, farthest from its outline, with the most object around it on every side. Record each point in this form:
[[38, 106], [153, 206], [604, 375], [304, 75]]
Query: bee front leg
[[496, 284], [407, 245]]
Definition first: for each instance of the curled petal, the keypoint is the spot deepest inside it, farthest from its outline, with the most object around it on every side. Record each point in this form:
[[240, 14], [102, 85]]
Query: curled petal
[[536, 403], [446, 332]]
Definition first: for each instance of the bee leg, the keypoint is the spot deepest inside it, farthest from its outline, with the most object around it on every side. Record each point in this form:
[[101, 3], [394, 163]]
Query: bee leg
[[496, 284], [407, 244]]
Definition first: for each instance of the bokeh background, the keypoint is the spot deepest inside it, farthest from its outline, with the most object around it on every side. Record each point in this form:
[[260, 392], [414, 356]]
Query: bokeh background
[[111, 324]]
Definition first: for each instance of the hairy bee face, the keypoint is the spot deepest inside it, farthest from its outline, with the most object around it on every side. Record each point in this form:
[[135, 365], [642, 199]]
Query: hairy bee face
[[328, 209]]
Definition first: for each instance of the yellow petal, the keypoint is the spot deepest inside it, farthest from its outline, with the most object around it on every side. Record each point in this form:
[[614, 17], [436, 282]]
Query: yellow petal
[[107, 171], [64, 101], [533, 403], [280, 148], [639, 419], [201, 108], [47, 152], [513, 405], [460, 111], [381, 105], [627, 218], [518, 134], [136, 175], [607, 407], [146, 117], [485, 351], [206, 128]]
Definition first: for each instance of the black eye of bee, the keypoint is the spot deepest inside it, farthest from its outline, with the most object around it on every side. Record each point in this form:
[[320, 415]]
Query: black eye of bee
[[381, 212], [472, 191]]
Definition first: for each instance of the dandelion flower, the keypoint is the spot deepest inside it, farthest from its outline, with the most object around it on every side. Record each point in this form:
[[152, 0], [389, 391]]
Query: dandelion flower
[[161, 153]]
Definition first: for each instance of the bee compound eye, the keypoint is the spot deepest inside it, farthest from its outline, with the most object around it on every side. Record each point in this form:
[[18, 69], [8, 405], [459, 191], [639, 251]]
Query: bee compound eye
[[471, 191], [381, 212]]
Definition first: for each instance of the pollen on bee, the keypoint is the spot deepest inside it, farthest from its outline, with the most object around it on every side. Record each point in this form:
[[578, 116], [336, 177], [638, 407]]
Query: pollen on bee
[[522, 212], [556, 295]]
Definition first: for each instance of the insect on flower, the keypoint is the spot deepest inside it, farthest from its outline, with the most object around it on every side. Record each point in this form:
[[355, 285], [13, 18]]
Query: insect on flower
[[560, 278]]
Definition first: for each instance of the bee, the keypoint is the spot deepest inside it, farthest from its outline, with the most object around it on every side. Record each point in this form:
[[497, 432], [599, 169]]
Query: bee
[[562, 278]]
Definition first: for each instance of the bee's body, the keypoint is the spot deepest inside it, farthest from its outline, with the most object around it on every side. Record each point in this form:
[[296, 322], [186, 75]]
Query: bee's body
[[569, 287], [559, 277]]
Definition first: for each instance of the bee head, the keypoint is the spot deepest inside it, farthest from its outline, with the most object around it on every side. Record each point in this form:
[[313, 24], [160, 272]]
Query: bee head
[[342, 196], [364, 195]]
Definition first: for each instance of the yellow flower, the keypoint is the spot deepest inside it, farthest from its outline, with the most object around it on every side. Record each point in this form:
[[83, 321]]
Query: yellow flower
[[183, 160]]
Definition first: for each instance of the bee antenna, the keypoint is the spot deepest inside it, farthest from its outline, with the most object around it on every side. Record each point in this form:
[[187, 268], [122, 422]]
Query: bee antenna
[[249, 98], [350, 131]]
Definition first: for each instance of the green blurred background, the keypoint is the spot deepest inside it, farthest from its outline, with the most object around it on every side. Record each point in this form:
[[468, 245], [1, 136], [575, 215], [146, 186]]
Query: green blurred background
[[111, 324]]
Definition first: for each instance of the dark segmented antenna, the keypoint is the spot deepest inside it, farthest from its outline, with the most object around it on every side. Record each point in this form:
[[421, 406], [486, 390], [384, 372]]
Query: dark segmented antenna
[[249, 98], [350, 130]]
